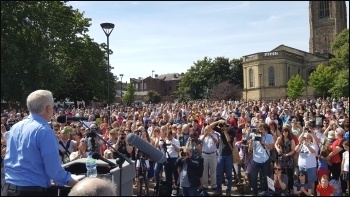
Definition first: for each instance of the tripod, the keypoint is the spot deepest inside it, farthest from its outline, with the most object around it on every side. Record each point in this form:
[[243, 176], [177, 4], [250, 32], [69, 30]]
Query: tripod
[[143, 176]]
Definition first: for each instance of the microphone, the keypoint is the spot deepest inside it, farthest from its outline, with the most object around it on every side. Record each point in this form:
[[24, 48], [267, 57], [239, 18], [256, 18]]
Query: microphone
[[146, 148], [96, 155], [64, 119]]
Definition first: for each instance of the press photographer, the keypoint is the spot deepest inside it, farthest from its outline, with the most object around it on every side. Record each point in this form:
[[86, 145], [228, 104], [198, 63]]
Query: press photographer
[[142, 168], [225, 159], [261, 145], [94, 143], [187, 169], [122, 146]]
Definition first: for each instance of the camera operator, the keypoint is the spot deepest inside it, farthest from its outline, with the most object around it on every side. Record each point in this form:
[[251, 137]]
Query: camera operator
[[187, 169], [261, 145], [94, 143], [225, 158], [196, 148], [122, 146], [142, 168]]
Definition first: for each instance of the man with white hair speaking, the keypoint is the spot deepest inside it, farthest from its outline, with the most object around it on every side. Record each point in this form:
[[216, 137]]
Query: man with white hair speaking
[[32, 159]]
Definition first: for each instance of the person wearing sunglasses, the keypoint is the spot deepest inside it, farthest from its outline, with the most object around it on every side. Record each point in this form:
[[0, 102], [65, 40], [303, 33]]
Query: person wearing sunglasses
[[302, 187], [280, 181]]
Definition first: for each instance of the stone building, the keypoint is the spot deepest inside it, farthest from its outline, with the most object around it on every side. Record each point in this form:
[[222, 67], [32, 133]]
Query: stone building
[[266, 74], [327, 19]]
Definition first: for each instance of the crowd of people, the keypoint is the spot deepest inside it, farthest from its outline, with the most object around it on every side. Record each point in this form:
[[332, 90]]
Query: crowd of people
[[301, 145]]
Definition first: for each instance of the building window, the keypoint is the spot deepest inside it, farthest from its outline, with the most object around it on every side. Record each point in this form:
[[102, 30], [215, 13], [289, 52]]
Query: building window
[[251, 78], [324, 9], [271, 76], [288, 73], [144, 86], [136, 86]]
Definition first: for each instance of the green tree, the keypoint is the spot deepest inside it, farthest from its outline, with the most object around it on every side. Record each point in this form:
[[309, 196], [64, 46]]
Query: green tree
[[153, 96], [44, 45], [295, 87], [322, 79], [206, 73], [340, 64], [340, 47], [129, 95], [341, 84]]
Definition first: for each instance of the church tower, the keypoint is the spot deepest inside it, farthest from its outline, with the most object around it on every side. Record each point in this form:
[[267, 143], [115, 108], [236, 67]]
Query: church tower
[[327, 19]]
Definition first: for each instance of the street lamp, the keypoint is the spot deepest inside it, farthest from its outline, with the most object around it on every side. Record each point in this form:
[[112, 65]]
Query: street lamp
[[121, 85], [152, 73], [108, 28]]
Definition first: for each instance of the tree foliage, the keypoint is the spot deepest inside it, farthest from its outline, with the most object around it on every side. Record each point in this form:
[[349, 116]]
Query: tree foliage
[[322, 79], [153, 96], [129, 96], [295, 87], [340, 65], [44, 45], [226, 91], [341, 84], [206, 73], [340, 47]]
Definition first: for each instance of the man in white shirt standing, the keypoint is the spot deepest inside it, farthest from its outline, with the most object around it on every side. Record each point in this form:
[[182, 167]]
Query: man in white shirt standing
[[209, 141]]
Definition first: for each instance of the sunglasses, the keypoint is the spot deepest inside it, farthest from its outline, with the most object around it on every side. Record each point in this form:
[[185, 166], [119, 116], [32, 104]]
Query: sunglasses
[[279, 169], [301, 175]]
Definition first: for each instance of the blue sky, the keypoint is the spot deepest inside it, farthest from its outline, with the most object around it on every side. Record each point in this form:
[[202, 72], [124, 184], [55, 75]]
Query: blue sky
[[168, 37]]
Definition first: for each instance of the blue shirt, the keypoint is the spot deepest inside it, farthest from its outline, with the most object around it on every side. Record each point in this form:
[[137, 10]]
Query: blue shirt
[[322, 163], [261, 154], [32, 155]]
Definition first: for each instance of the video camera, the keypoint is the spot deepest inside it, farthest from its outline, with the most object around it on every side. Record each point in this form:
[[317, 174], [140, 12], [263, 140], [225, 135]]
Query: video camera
[[92, 132], [257, 134], [182, 153]]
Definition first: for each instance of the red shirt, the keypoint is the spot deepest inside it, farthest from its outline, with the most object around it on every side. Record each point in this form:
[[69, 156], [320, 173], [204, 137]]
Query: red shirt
[[336, 158], [324, 191]]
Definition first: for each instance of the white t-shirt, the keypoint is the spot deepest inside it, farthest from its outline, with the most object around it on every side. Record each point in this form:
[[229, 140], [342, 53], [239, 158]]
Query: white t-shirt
[[170, 148], [306, 158], [346, 161]]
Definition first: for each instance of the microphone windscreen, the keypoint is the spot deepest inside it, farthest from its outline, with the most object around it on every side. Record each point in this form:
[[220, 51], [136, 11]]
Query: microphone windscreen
[[61, 119], [146, 148]]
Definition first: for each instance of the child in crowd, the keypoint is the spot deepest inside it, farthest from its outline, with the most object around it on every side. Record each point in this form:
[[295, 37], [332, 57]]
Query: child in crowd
[[323, 188], [345, 164], [323, 164]]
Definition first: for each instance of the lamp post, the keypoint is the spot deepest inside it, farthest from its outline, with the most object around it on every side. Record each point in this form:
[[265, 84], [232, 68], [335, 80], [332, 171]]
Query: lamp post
[[260, 85], [152, 73], [108, 28], [121, 85]]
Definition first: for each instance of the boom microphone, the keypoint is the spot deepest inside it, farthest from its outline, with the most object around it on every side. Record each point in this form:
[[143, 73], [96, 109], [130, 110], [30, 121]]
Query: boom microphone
[[96, 155], [64, 119], [146, 148]]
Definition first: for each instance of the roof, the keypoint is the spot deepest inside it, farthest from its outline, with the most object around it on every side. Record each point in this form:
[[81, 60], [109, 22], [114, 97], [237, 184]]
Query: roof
[[169, 76]]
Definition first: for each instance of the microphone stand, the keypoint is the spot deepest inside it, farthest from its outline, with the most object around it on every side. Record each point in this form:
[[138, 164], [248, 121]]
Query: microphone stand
[[121, 158]]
